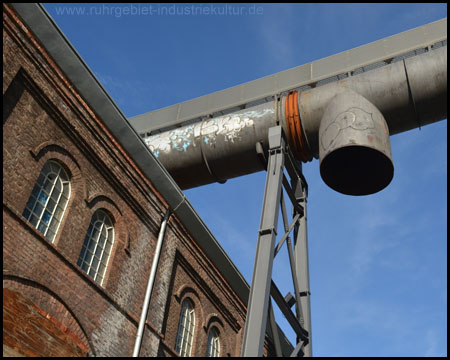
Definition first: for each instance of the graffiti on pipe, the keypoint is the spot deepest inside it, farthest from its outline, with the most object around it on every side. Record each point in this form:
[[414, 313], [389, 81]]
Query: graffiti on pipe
[[354, 118], [230, 127]]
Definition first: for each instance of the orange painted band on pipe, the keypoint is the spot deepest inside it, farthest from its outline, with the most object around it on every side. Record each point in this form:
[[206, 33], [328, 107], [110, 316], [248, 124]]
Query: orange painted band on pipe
[[295, 129], [290, 124]]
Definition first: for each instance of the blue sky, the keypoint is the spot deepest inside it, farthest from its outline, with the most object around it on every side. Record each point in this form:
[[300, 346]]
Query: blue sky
[[378, 264]]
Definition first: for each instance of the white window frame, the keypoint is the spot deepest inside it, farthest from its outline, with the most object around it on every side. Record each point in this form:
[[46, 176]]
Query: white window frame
[[39, 210], [97, 246], [186, 328], [213, 347]]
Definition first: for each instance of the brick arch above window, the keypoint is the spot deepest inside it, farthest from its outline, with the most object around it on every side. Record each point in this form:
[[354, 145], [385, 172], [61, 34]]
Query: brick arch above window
[[95, 200], [213, 319], [50, 306], [109, 203], [51, 150], [188, 292]]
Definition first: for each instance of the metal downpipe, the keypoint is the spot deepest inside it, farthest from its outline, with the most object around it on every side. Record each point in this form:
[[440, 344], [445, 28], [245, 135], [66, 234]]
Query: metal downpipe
[[162, 231]]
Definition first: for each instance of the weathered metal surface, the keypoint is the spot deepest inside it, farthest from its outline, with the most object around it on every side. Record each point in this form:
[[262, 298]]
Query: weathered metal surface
[[308, 74], [427, 80], [214, 149], [258, 303], [408, 93], [389, 89], [354, 148]]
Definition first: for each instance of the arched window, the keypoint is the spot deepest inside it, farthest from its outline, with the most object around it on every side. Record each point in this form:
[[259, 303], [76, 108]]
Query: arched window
[[97, 246], [185, 334], [213, 349], [48, 200]]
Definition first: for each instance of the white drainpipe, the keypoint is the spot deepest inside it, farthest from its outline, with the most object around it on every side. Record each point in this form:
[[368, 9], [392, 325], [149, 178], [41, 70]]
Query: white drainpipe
[[162, 231]]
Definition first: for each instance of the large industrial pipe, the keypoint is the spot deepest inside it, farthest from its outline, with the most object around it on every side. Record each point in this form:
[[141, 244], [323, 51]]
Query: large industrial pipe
[[351, 119]]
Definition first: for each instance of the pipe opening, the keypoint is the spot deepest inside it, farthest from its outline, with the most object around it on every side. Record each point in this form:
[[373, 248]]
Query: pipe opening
[[354, 148], [356, 170]]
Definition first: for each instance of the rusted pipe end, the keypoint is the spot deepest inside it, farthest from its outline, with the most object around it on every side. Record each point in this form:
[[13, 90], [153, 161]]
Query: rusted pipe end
[[294, 127]]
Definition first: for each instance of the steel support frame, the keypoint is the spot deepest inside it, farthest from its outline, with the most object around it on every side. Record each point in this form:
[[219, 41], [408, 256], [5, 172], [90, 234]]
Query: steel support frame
[[259, 308]]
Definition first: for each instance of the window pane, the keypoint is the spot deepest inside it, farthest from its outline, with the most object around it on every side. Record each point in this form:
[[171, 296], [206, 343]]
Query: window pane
[[43, 197], [31, 202], [91, 245], [48, 185], [99, 279], [58, 212], [108, 222], [54, 224], [95, 233], [103, 233], [42, 227], [94, 264], [50, 235], [81, 257], [98, 252], [55, 195], [38, 208], [40, 180], [88, 234], [108, 247], [86, 241], [101, 269], [66, 190], [51, 205], [101, 242], [46, 217], [54, 167], [33, 220], [58, 186], [88, 257], [85, 266]]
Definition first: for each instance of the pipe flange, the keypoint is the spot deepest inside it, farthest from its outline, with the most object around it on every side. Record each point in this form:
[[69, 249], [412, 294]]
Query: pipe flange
[[294, 127]]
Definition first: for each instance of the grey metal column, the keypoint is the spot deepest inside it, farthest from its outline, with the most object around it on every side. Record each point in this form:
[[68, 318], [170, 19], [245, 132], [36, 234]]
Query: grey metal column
[[257, 310], [302, 265]]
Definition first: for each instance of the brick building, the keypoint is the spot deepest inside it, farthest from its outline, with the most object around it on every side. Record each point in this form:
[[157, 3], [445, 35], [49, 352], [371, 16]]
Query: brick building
[[83, 204]]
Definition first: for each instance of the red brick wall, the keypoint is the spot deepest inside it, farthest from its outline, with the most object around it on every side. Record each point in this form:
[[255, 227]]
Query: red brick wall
[[45, 118], [46, 304], [32, 332]]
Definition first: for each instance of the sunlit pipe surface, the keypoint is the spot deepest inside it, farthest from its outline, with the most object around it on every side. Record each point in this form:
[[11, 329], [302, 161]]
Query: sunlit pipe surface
[[409, 94]]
